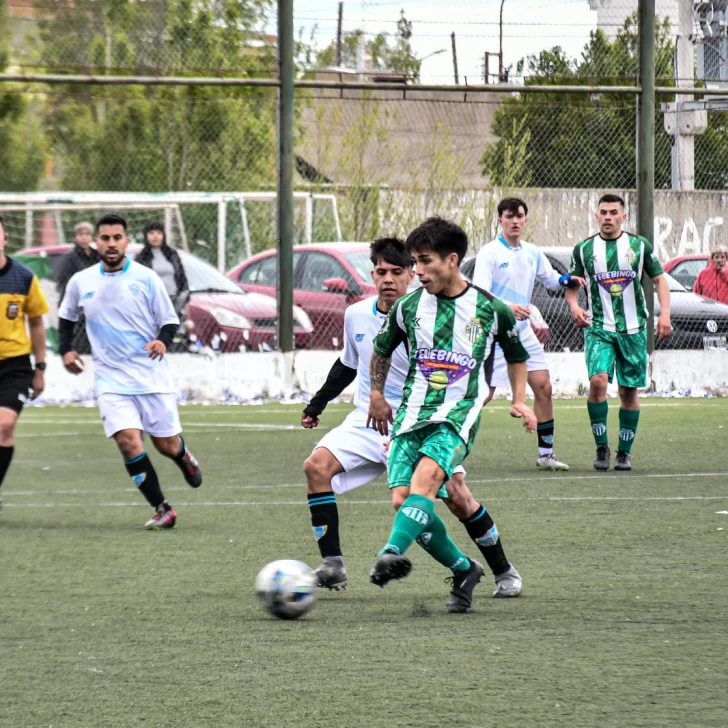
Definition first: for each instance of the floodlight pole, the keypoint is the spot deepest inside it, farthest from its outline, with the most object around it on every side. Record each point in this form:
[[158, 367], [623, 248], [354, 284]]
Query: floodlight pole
[[285, 209], [646, 148]]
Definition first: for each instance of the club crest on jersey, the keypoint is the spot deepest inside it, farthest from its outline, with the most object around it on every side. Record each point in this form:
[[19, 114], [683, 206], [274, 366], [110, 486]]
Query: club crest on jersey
[[135, 289], [631, 256], [473, 330], [359, 337], [441, 368], [615, 281], [12, 310]]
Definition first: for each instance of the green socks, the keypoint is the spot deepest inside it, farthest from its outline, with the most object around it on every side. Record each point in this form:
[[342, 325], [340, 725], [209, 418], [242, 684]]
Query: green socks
[[412, 518], [598, 412], [416, 519], [435, 540], [628, 420]]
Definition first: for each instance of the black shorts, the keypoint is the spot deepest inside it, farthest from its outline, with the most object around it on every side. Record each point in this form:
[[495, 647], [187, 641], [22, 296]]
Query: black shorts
[[16, 377]]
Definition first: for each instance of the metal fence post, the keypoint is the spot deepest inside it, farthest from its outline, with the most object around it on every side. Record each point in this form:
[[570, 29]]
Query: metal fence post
[[285, 175], [646, 148]]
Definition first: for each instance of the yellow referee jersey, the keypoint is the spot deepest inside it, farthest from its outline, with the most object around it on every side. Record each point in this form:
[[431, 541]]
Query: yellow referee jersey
[[20, 296]]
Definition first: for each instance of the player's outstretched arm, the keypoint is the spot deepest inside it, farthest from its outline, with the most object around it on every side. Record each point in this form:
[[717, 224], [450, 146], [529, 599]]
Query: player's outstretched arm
[[581, 317], [662, 288], [380, 411], [339, 378]]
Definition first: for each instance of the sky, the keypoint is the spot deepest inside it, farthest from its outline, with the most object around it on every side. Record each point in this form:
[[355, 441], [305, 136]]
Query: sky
[[529, 27]]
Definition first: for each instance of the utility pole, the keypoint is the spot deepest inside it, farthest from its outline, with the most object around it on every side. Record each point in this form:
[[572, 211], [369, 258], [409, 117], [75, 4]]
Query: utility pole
[[684, 119], [339, 30], [454, 59], [500, 43], [646, 147]]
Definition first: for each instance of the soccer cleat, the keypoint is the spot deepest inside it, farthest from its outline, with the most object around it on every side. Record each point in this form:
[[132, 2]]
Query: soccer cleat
[[331, 574], [463, 584], [389, 566], [550, 462], [601, 461], [162, 520], [508, 584], [622, 461], [190, 469]]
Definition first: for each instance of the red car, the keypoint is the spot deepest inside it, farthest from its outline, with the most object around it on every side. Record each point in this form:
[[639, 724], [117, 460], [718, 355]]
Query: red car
[[221, 316], [328, 278], [685, 268]]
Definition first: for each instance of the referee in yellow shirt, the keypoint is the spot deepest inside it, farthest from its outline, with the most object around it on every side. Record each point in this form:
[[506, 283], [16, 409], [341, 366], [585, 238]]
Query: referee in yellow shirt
[[21, 297]]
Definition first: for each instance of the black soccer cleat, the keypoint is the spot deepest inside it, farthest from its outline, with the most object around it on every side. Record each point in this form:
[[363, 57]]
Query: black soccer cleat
[[190, 469], [622, 461], [331, 574], [601, 461], [463, 584], [389, 566]]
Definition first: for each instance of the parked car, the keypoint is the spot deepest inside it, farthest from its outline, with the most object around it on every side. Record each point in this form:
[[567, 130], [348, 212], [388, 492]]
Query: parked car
[[328, 277], [697, 322], [685, 268], [222, 316]]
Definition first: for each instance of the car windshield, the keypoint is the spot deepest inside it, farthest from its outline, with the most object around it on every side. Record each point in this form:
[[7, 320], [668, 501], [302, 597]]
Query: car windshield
[[203, 278], [361, 264], [675, 285]]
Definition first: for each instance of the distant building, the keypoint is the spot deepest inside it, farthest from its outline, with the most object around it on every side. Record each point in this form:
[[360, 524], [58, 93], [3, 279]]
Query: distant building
[[611, 14]]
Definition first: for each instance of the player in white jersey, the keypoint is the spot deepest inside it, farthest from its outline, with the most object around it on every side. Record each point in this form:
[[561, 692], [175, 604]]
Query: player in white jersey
[[508, 268], [130, 322], [352, 454]]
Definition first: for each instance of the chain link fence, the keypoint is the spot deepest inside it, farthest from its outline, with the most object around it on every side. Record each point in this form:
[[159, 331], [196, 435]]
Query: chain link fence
[[368, 163]]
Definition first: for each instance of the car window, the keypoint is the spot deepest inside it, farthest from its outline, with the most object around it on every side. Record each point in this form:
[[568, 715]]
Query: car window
[[249, 274], [687, 272], [201, 276], [360, 263], [268, 271], [319, 267]]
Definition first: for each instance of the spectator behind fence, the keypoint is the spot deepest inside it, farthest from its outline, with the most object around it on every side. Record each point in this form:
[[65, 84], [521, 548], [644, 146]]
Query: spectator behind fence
[[81, 257], [712, 281], [164, 260]]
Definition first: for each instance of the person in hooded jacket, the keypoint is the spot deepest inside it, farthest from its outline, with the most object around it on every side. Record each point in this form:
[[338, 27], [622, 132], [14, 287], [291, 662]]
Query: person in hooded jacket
[[712, 281]]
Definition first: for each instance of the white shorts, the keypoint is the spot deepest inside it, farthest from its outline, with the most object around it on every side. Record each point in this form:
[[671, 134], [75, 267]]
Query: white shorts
[[535, 363], [362, 452], [155, 414]]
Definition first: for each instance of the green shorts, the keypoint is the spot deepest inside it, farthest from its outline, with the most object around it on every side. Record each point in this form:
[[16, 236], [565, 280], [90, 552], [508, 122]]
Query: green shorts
[[604, 349], [437, 441]]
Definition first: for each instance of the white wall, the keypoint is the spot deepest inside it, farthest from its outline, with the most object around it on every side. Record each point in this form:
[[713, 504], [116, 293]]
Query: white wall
[[248, 377]]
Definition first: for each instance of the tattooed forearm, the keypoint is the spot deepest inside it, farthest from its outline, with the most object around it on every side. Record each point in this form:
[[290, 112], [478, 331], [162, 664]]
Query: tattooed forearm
[[378, 370]]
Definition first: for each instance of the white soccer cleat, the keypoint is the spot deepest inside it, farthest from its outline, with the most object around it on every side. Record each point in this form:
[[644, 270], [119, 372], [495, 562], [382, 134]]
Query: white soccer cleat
[[550, 462], [508, 584]]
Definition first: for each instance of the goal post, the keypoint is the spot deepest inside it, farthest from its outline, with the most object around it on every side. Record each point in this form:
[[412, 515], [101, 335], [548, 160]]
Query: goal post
[[222, 228]]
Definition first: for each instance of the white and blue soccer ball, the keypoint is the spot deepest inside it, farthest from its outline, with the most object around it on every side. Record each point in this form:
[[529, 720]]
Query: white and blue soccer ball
[[286, 588]]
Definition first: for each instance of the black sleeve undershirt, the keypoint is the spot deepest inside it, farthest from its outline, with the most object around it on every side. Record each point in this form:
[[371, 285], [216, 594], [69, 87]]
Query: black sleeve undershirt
[[166, 333], [65, 335], [340, 377]]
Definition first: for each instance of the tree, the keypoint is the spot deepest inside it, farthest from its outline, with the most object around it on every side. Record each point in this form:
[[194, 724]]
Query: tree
[[579, 140], [22, 144], [161, 138], [390, 57]]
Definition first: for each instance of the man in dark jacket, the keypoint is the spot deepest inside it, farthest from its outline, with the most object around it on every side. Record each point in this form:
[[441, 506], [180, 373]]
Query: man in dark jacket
[[81, 257]]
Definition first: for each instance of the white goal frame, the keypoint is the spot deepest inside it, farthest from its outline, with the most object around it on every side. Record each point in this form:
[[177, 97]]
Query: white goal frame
[[31, 202]]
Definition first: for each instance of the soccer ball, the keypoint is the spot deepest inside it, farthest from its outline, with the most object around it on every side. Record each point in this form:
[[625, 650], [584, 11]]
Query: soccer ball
[[286, 588]]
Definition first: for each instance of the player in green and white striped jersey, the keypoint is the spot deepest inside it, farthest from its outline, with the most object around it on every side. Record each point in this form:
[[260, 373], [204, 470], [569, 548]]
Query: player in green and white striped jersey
[[449, 328], [613, 263]]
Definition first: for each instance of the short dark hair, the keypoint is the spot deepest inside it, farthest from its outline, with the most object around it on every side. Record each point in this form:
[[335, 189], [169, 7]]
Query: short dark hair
[[110, 218], [511, 204], [609, 197], [442, 236], [390, 250]]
